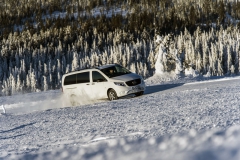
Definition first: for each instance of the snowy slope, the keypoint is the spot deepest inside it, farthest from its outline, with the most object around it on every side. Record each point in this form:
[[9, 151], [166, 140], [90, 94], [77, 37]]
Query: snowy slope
[[172, 120]]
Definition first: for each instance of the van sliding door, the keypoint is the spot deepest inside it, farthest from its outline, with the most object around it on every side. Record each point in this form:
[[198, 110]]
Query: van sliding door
[[99, 85], [84, 89]]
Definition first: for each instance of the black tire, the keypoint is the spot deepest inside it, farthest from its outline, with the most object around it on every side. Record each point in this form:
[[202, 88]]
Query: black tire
[[112, 95], [139, 93]]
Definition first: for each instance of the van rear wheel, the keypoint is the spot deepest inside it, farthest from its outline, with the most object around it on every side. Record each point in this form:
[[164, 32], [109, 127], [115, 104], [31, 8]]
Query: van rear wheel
[[73, 100], [112, 95]]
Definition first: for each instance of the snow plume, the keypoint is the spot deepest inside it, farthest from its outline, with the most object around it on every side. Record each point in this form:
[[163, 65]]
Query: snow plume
[[80, 98], [27, 103], [74, 100], [40, 101]]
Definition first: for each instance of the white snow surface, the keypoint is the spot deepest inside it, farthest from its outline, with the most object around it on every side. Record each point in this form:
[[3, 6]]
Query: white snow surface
[[177, 118]]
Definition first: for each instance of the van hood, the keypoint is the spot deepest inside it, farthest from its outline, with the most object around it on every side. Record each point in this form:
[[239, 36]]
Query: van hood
[[126, 77]]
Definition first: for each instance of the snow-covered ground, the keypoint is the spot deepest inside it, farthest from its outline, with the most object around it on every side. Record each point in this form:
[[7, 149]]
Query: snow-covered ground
[[175, 119]]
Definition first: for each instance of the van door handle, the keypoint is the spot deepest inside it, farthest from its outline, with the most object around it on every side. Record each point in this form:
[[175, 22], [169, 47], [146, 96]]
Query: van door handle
[[87, 84]]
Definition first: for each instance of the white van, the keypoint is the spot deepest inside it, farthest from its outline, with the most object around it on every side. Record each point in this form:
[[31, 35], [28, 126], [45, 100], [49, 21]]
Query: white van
[[108, 81]]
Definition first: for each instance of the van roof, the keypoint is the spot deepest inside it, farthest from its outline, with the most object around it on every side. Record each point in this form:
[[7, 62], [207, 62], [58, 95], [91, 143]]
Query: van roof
[[105, 66], [89, 69]]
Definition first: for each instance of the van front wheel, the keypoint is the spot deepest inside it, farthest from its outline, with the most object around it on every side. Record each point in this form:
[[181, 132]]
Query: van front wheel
[[139, 93], [112, 95]]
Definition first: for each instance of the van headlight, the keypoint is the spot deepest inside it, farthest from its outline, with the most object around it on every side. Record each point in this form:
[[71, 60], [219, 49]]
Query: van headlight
[[119, 83]]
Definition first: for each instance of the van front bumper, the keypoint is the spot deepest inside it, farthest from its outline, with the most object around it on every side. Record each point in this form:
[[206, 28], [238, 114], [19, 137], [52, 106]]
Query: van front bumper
[[126, 90]]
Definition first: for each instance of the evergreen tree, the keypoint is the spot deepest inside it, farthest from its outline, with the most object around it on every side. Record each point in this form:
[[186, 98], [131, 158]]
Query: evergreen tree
[[133, 68], [28, 83], [33, 81], [221, 12], [45, 83], [19, 86], [229, 61], [220, 69]]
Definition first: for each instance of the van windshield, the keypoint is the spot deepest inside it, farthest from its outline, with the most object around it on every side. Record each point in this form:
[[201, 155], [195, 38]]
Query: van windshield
[[115, 71]]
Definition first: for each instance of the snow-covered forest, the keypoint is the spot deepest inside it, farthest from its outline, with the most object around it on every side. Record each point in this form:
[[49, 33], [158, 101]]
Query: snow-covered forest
[[41, 40]]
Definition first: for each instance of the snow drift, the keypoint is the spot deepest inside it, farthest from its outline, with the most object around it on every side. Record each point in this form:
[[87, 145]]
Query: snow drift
[[175, 120], [210, 145]]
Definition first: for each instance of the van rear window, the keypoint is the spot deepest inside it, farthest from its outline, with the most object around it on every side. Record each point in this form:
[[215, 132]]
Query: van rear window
[[77, 78]]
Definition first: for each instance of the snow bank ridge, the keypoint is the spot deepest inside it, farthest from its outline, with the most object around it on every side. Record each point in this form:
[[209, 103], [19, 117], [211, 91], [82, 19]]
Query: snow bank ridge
[[215, 144]]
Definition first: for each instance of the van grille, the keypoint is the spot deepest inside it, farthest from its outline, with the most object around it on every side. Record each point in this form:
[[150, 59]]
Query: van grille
[[133, 82]]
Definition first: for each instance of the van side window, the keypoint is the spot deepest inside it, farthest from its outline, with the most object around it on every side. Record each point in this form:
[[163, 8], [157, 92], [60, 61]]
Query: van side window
[[98, 77], [83, 77], [71, 79]]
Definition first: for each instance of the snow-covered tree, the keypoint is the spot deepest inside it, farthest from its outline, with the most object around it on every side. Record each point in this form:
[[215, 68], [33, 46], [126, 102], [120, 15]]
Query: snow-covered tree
[[75, 64], [133, 68], [229, 61], [33, 81], [19, 86], [45, 83], [168, 59]]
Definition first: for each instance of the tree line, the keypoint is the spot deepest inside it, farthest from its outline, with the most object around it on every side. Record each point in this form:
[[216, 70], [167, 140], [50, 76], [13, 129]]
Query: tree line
[[41, 40], [215, 53], [133, 16]]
